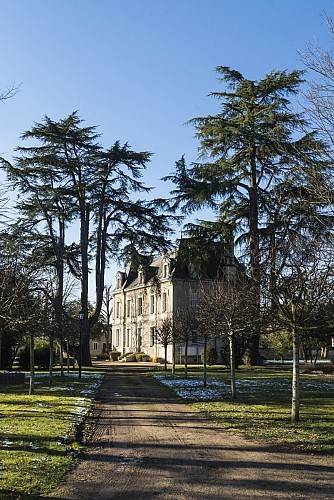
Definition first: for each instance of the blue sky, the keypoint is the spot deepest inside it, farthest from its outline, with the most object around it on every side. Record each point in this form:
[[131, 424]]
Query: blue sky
[[139, 69]]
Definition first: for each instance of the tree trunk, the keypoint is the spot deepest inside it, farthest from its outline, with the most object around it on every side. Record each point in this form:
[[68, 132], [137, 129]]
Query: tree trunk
[[68, 356], [204, 362], [51, 359], [32, 366], [84, 236], [252, 353], [165, 362], [295, 375], [186, 359], [61, 357], [60, 291], [100, 260], [173, 360], [232, 365]]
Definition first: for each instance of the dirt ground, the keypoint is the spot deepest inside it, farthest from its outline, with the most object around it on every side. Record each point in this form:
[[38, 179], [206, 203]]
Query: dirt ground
[[145, 444]]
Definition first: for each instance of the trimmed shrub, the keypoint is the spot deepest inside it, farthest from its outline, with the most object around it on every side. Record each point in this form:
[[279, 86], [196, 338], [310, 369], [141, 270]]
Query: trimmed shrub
[[12, 378], [114, 355], [327, 369], [211, 355], [130, 358], [124, 355], [42, 357], [141, 356], [102, 357], [157, 359], [239, 349], [6, 353], [309, 368]]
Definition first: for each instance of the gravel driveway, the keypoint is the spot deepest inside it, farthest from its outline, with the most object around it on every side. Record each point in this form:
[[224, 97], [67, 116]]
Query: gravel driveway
[[144, 444]]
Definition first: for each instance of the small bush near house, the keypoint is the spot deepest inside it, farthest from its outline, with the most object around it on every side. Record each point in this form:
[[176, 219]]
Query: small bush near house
[[71, 361], [42, 357], [327, 369], [130, 358], [239, 349], [211, 355], [124, 355], [102, 357], [114, 355], [309, 368], [141, 356], [157, 359]]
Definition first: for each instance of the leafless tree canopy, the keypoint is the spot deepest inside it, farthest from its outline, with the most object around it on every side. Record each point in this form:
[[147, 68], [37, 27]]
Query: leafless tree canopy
[[9, 92]]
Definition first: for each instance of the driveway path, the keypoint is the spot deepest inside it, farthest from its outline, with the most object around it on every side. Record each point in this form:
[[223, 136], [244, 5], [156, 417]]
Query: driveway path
[[146, 444]]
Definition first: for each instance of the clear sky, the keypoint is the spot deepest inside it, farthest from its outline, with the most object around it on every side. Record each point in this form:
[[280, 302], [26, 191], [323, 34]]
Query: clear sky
[[139, 69]]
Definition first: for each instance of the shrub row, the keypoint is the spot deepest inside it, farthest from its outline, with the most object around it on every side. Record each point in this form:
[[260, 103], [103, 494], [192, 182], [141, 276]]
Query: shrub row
[[324, 368], [42, 357]]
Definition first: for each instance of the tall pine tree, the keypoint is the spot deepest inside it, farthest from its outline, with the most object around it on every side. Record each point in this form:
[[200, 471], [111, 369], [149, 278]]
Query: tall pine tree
[[101, 189], [245, 150]]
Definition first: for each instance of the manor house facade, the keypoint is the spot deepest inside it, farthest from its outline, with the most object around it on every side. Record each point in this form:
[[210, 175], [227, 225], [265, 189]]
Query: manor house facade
[[142, 300]]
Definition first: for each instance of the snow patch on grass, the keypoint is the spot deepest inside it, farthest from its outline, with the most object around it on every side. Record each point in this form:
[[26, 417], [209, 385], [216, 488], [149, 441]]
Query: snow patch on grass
[[193, 389]]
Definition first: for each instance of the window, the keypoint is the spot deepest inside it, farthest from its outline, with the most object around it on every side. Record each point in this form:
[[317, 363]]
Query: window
[[127, 337], [152, 304], [95, 346], [152, 336], [165, 271], [117, 337], [118, 309], [128, 308], [139, 339], [194, 301], [164, 302], [140, 306], [140, 277]]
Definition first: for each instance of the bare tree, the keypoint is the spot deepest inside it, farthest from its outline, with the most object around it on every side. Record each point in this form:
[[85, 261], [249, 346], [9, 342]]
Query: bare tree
[[185, 325], [229, 313], [165, 336], [9, 92], [304, 282], [319, 103], [206, 325]]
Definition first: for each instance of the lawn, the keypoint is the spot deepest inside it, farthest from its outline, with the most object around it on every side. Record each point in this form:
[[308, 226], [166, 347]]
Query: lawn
[[39, 445], [262, 407], [38, 434]]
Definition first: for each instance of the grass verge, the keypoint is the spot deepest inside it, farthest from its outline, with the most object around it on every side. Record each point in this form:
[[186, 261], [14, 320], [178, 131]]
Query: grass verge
[[39, 438], [262, 408]]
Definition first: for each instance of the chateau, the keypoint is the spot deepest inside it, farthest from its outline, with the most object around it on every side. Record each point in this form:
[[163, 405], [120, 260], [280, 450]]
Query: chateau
[[143, 298]]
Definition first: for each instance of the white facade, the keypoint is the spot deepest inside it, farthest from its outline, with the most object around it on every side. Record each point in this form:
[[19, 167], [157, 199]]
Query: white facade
[[140, 304]]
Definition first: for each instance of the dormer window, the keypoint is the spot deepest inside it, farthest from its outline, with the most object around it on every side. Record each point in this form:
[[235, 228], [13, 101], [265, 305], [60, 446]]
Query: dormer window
[[165, 272], [118, 281], [140, 277]]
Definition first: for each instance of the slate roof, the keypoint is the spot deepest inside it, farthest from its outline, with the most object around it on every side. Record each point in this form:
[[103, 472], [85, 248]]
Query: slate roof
[[186, 261]]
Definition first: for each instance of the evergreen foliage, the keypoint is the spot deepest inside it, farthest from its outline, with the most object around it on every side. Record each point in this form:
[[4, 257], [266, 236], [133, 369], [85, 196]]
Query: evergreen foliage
[[211, 355], [69, 177], [252, 153]]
